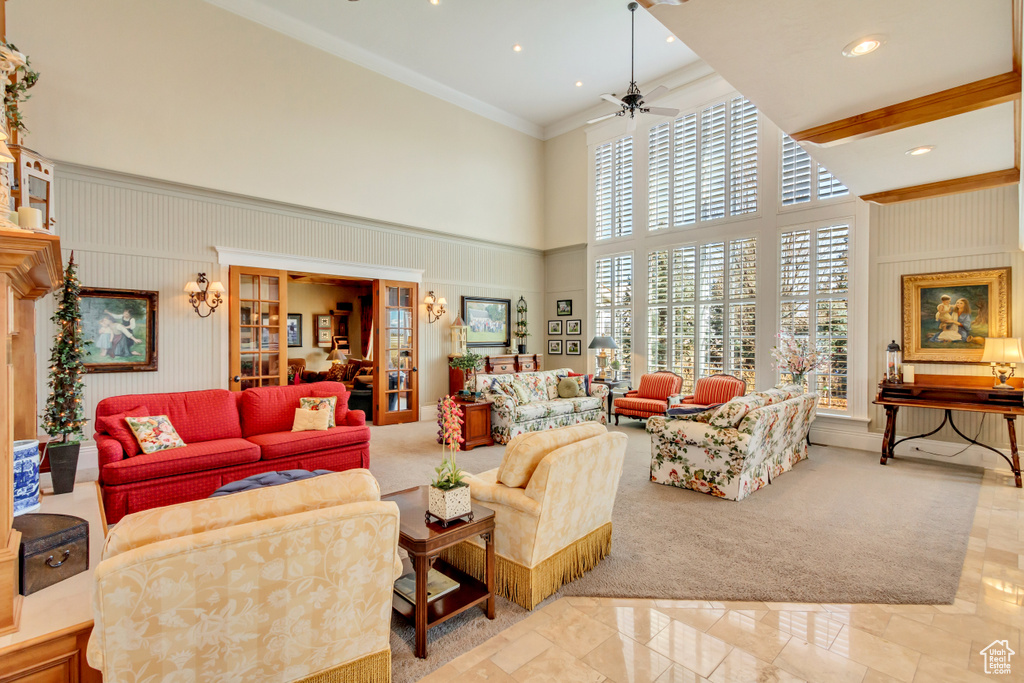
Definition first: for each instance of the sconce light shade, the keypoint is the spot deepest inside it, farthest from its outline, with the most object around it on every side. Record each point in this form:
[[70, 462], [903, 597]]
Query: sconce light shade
[[436, 307], [217, 288], [193, 287], [202, 291]]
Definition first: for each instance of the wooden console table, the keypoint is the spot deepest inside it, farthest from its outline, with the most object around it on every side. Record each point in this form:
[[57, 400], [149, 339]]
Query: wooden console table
[[973, 394]]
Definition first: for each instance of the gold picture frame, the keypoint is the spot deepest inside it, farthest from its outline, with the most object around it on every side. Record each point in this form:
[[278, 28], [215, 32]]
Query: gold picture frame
[[948, 316]]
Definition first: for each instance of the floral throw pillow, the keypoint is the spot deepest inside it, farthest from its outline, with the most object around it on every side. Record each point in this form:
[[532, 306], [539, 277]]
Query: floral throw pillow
[[505, 389], [154, 433], [523, 394], [327, 403]]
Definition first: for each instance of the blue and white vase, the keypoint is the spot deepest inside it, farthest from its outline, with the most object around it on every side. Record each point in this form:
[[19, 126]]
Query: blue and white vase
[[26, 476]]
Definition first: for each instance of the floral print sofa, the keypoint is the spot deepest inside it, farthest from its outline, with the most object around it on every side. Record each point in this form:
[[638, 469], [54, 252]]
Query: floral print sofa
[[738, 448], [536, 406]]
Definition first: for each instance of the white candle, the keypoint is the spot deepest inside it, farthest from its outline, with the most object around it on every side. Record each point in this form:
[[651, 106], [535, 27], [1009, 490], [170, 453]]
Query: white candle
[[30, 219]]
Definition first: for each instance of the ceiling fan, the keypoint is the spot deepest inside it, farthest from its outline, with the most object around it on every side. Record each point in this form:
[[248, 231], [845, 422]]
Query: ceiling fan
[[633, 101]]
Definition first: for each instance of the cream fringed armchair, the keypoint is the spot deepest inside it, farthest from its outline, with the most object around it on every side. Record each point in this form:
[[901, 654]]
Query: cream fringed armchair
[[286, 583], [552, 498]]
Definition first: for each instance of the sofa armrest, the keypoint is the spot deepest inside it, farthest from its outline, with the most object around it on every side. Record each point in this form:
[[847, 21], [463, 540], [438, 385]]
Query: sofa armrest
[[689, 432], [355, 418], [505, 406], [599, 390], [109, 450], [493, 492]]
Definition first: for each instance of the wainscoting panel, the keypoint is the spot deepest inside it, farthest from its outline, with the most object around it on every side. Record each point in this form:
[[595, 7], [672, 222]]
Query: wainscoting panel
[[135, 233], [960, 232]]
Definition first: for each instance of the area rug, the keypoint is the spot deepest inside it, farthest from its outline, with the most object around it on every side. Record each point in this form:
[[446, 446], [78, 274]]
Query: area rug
[[839, 528]]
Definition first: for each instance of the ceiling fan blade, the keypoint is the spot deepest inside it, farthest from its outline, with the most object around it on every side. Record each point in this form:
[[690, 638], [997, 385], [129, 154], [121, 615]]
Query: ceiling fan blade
[[662, 111], [656, 93], [613, 99], [602, 118]]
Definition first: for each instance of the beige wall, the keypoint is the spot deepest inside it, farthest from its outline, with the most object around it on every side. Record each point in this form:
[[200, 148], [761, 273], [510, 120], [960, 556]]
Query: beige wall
[[181, 90], [961, 232], [565, 190], [310, 299], [565, 275]]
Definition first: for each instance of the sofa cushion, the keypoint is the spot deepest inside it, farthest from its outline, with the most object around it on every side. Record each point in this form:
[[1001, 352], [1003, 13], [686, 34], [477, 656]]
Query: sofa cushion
[[535, 383], [733, 412], [568, 388], [272, 409], [282, 444], [535, 411], [196, 457], [714, 390], [658, 385], [641, 405], [582, 404], [524, 452], [587, 379], [775, 395], [196, 415], [117, 427]]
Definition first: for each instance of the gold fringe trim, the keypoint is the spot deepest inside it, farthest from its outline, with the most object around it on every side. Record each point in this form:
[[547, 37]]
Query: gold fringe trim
[[375, 668], [528, 586]]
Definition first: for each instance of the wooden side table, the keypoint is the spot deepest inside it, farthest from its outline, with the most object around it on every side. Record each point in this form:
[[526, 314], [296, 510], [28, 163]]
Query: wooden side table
[[424, 542], [476, 424]]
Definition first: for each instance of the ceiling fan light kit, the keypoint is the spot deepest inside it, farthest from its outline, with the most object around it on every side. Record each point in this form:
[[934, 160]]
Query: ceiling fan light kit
[[634, 101]]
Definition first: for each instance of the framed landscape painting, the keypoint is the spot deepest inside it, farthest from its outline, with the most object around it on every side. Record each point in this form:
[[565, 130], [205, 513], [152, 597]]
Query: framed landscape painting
[[948, 316], [121, 324], [488, 321]]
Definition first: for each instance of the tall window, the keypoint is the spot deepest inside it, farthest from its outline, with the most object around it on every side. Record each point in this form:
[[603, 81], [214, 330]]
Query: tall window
[[703, 166], [799, 183], [701, 309], [814, 300], [613, 188], [613, 313]]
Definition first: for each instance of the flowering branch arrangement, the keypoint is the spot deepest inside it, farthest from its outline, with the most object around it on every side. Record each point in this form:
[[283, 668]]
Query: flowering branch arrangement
[[449, 474], [796, 356]]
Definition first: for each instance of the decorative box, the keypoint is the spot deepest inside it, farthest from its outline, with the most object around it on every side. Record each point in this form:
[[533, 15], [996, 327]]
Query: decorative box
[[53, 548], [449, 505]]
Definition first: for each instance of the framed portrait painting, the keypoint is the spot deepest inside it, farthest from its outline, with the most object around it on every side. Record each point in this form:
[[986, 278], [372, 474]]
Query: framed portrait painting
[[294, 330], [488, 321], [948, 316], [121, 324]]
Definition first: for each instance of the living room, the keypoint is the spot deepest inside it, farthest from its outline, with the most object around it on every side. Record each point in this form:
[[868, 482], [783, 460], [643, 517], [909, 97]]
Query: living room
[[341, 143]]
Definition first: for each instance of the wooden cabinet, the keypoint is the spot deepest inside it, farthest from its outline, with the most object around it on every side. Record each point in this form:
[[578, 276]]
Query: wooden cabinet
[[511, 363], [476, 424], [528, 363]]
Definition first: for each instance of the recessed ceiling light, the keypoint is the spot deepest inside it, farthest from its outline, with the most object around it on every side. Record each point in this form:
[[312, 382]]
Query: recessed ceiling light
[[863, 46], [670, 39], [918, 151], [579, 84], [435, 2], [517, 48]]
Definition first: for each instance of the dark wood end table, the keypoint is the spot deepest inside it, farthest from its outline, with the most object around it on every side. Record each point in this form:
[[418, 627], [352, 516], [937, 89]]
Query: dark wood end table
[[424, 543], [476, 423]]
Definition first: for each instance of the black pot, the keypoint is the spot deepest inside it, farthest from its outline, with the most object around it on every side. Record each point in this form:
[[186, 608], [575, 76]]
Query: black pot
[[522, 348], [63, 465]]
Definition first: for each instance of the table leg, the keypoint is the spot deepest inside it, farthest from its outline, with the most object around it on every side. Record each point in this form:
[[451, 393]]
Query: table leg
[[489, 573], [611, 397], [422, 567], [1010, 421], [890, 433]]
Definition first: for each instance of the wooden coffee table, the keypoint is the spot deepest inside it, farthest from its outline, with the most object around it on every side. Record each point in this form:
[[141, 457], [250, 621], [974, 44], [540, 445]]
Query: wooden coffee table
[[424, 542]]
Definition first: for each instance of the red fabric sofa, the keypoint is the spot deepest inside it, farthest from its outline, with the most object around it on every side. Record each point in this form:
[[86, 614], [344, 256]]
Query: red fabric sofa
[[229, 436]]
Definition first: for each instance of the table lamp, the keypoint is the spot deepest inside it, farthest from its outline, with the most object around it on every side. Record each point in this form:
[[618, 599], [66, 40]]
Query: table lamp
[[603, 344], [336, 356], [1003, 354]]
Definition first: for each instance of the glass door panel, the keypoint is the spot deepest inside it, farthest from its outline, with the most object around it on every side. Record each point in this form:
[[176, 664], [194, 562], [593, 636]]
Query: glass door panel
[[396, 309], [257, 297]]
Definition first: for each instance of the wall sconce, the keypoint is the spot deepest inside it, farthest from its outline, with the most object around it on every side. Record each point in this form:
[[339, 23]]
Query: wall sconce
[[435, 307], [202, 291]]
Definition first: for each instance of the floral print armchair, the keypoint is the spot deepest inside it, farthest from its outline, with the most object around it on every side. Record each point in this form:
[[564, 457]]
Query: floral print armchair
[[736, 449], [285, 583], [534, 404]]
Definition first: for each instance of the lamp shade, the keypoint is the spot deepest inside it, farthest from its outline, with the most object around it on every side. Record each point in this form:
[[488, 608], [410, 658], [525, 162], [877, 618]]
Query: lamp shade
[[5, 154], [336, 356], [192, 287], [217, 288], [1002, 350], [603, 343]]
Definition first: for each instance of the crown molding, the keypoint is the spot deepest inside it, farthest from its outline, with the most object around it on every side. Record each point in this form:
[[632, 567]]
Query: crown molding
[[311, 35]]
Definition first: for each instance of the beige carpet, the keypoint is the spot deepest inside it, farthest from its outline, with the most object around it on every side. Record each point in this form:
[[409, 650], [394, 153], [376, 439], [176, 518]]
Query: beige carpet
[[838, 528]]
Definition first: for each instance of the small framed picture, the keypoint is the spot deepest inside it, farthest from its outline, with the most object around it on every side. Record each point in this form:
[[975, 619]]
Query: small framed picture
[[323, 337], [563, 307], [323, 321], [574, 347], [554, 327], [554, 347], [294, 330], [574, 327]]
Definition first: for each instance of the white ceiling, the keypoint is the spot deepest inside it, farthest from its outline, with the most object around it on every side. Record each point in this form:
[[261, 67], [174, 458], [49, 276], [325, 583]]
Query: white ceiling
[[786, 56], [461, 50]]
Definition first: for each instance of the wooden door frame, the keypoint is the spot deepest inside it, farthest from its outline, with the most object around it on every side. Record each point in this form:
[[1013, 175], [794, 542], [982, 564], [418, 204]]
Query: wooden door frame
[[235, 308], [380, 357]]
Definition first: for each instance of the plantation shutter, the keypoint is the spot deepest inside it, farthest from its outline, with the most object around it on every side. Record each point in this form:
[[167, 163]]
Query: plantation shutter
[[603, 191], [796, 173], [712, 162], [743, 308], [684, 179], [828, 185], [659, 177], [613, 189], [742, 156], [623, 187], [613, 299]]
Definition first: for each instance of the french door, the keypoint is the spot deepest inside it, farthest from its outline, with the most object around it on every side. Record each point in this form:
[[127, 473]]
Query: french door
[[396, 379], [259, 313]]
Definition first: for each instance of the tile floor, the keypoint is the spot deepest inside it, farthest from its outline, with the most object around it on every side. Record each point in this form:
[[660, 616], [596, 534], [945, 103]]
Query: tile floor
[[673, 641]]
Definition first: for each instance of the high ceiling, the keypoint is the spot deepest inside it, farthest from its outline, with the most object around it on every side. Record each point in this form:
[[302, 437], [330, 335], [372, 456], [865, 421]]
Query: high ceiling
[[461, 50], [787, 57]]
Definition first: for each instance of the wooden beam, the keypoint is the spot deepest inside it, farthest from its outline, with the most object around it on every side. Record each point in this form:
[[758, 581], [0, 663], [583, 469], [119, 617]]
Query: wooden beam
[[982, 181], [959, 100]]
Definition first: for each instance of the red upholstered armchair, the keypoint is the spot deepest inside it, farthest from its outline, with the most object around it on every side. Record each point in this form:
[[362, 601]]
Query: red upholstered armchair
[[715, 389], [651, 397]]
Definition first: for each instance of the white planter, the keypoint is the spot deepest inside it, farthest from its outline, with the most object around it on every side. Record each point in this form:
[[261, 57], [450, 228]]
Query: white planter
[[449, 504]]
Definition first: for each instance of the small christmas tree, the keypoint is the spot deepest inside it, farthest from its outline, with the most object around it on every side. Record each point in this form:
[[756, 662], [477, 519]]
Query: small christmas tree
[[64, 416]]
